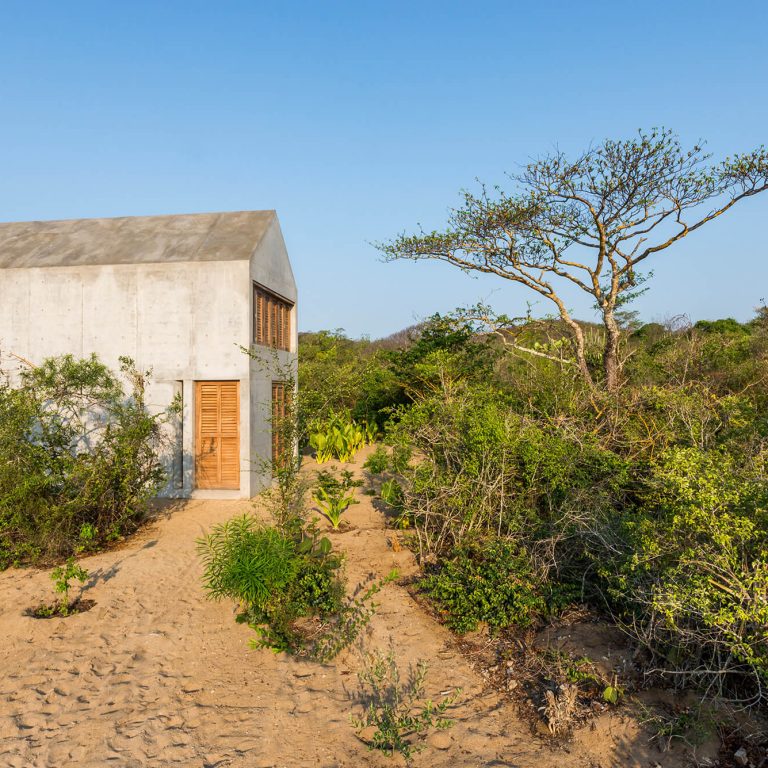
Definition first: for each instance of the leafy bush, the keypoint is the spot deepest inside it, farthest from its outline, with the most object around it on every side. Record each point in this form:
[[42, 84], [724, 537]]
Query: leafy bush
[[275, 580], [340, 438], [247, 562], [484, 470], [491, 581], [398, 710], [378, 461], [79, 459], [694, 574]]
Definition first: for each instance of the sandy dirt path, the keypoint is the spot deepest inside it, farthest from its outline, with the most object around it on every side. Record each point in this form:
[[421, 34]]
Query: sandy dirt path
[[156, 675]]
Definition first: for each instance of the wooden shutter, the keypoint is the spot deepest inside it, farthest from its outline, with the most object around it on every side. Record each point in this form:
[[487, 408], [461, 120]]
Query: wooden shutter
[[217, 435], [279, 413], [258, 316], [271, 320]]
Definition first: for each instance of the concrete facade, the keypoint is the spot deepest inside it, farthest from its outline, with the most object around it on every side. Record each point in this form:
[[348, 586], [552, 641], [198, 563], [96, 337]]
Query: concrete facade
[[175, 293]]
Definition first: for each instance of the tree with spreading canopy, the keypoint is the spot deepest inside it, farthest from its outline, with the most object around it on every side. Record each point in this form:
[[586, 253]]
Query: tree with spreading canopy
[[590, 221]]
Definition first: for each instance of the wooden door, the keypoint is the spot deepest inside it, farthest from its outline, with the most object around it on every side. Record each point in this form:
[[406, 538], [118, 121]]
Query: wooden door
[[217, 434]]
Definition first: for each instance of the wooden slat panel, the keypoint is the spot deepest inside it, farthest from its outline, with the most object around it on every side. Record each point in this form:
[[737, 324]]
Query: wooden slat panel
[[272, 317], [230, 462], [217, 434], [279, 413]]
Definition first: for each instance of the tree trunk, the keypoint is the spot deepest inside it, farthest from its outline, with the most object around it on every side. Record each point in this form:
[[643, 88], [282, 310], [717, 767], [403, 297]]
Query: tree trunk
[[611, 352], [579, 345]]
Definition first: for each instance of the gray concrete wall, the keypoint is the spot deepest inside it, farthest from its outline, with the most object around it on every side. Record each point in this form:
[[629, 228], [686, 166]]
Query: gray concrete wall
[[185, 321], [270, 268]]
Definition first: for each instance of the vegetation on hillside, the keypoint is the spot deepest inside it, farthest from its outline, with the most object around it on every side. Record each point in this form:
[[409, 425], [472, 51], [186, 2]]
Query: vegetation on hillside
[[525, 490]]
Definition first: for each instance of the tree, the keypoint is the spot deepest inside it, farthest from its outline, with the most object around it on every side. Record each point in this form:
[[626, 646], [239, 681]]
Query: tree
[[590, 221]]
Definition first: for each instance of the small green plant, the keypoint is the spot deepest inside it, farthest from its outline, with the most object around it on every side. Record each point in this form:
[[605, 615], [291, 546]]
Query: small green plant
[[398, 709], [613, 693], [61, 577], [335, 496], [392, 493], [333, 505], [371, 432], [575, 670], [329, 481], [378, 461]]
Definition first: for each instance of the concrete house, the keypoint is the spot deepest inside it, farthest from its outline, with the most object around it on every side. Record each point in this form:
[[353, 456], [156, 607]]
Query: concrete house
[[180, 295]]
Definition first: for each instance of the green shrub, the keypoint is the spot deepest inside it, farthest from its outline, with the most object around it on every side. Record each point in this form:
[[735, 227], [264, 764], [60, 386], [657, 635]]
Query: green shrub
[[247, 562], [693, 576], [482, 469], [378, 461], [275, 579], [79, 459], [489, 580]]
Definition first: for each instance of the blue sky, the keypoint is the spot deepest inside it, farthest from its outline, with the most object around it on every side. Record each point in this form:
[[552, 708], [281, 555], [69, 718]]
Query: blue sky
[[358, 120]]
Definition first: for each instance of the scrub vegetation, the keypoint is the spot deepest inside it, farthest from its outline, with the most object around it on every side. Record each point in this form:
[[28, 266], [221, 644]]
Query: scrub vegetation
[[527, 491], [537, 464], [79, 458], [542, 463]]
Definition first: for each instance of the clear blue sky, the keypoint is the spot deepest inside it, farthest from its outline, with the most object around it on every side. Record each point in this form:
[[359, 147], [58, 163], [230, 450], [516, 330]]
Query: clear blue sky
[[357, 120]]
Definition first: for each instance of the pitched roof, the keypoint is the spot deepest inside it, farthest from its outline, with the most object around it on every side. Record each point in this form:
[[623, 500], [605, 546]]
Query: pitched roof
[[133, 239]]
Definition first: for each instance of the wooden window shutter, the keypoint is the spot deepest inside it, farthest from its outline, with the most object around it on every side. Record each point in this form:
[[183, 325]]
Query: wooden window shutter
[[279, 414], [271, 320]]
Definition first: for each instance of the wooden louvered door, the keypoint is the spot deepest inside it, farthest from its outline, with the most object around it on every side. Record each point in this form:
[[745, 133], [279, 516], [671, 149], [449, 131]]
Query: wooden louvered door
[[217, 433]]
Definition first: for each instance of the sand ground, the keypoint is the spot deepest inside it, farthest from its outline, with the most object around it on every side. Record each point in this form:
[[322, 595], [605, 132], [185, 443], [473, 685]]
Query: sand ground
[[156, 675]]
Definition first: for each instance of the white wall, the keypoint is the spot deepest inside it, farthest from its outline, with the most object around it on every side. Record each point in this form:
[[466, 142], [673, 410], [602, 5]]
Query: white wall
[[185, 321]]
